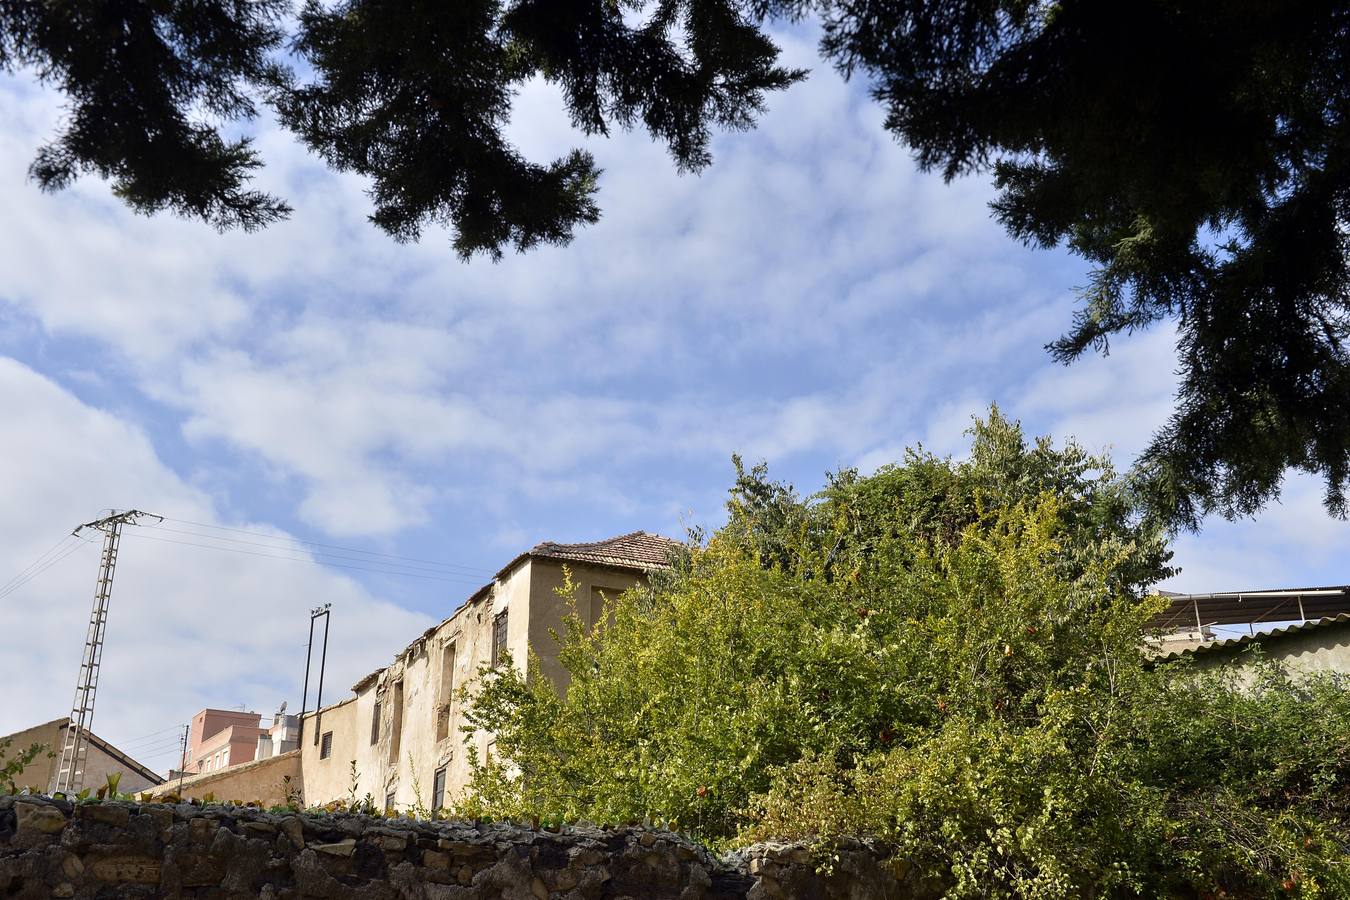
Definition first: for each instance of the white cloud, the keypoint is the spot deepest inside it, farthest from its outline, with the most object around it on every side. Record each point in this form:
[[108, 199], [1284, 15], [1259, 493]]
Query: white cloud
[[810, 299], [188, 628]]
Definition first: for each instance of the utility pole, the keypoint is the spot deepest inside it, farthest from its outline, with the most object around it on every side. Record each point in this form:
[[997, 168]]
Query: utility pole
[[314, 614], [182, 764], [70, 773]]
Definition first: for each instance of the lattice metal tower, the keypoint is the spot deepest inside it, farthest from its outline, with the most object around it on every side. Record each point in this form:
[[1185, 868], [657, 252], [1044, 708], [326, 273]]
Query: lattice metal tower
[[70, 774]]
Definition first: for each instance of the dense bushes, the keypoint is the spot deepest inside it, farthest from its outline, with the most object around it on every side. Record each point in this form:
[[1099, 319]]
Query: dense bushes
[[945, 656]]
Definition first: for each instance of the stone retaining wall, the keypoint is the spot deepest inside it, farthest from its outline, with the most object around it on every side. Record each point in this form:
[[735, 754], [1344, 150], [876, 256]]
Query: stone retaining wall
[[49, 848]]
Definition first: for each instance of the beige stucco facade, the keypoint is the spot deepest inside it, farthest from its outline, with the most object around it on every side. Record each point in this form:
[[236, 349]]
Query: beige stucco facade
[[271, 781], [405, 722], [102, 760]]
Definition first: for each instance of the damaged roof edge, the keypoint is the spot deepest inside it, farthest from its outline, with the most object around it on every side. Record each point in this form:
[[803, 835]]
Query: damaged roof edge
[[472, 598], [636, 551]]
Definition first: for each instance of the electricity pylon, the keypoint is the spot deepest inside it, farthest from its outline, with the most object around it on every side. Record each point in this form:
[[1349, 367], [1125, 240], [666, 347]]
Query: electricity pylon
[[70, 774]]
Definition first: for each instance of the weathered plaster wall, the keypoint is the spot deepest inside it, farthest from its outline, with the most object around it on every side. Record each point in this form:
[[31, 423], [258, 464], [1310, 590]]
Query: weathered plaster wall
[[1324, 648], [41, 773], [547, 612], [330, 778], [263, 780], [527, 593], [419, 703], [49, 849]]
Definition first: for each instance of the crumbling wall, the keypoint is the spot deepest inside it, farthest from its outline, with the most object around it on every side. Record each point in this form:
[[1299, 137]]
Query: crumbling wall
[[49, 848]]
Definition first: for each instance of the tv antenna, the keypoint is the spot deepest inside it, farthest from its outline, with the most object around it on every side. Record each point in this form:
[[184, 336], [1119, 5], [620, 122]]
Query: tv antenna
[[70, 773]]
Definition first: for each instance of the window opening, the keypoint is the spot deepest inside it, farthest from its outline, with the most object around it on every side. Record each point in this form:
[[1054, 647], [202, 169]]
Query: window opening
[[396, 722], [498, 638], [438, 789], [446, 693]]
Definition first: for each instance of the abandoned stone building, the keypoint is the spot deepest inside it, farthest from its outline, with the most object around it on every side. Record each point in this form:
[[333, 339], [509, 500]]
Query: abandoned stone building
[[403, 724]]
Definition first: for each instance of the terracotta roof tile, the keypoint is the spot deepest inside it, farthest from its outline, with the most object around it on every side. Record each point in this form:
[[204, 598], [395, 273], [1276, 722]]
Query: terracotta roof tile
[[637, 549]]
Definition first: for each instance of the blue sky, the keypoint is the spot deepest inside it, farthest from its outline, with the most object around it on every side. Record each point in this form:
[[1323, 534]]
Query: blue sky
[[810, 300]]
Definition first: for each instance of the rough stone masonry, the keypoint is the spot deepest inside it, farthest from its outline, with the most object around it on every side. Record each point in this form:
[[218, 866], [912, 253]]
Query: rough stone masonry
[[51, 848]]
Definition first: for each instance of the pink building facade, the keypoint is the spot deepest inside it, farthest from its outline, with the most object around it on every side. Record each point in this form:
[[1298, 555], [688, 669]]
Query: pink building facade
[[220, 738]]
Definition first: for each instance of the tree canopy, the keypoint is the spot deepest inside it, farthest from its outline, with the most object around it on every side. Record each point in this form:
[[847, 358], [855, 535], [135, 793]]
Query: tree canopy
[[1194, 153], [944, 657]]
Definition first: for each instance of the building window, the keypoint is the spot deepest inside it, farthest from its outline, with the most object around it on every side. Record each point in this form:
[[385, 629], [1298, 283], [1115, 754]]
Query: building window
[[326, 745], [375, 725], [498, 638], [389, 800], [396, 722], [446, 693], [438, 789]]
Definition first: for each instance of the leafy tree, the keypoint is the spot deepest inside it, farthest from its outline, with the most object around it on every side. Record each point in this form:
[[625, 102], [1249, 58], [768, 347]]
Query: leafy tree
[[1195, 153], [927, 501], [13, 762], [945, 656]]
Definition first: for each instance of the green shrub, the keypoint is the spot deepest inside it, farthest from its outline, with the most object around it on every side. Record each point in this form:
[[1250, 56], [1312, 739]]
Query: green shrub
[[944, 656]]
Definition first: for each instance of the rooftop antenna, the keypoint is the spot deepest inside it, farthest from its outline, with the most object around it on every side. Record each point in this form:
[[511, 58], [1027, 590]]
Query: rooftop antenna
[[70, 773]]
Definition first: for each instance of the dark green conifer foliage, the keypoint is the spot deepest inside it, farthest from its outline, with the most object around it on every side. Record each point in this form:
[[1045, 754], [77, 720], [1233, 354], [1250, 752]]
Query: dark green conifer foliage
[[141, 81], [1195, 153], [1199, 155], [415, 95]]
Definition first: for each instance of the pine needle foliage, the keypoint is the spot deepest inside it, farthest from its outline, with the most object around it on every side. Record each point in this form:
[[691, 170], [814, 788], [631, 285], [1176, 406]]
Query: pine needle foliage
[[946, 657], [1196, 154]]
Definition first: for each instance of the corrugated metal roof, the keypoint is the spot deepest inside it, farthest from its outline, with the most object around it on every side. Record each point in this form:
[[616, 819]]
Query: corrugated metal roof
[[1259, 637], [1242, 607]]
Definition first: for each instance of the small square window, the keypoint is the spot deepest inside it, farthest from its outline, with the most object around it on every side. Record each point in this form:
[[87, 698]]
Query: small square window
[[326, 745], [438, 789]]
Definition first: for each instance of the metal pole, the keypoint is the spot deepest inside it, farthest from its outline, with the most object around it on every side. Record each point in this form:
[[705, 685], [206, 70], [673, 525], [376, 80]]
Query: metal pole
[[75, 749], [304, 698], [323, 659], [182, 766]]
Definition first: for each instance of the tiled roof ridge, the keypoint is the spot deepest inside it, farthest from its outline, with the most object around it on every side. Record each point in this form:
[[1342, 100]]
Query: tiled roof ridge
[[606, 542], [636, 547]]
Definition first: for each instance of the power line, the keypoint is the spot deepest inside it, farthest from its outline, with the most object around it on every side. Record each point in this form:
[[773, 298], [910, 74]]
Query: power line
[[129, 746], [36, 562], [146, 748], [173, 728], [30, 572], [152, 742], [311, 560], [468, 570], [415, 566]]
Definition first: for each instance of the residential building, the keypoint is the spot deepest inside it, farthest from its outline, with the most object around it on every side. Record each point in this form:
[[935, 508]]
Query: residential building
[[1307, 629], [402, 728], [282, 737], [101, 760], [219, 738]]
